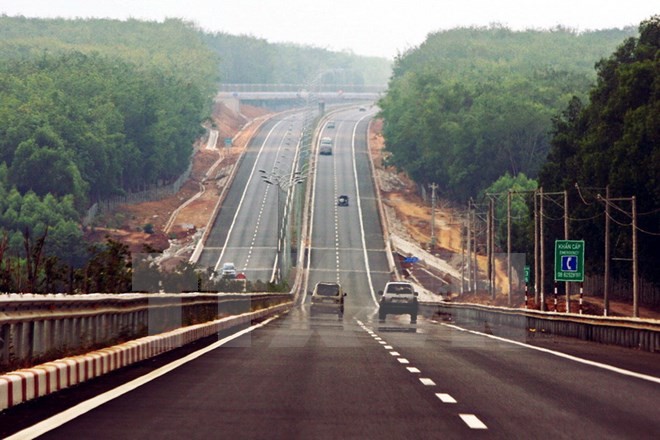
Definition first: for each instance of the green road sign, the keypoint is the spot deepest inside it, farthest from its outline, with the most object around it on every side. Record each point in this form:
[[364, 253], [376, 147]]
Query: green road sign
[[569, 260], [527, 272]]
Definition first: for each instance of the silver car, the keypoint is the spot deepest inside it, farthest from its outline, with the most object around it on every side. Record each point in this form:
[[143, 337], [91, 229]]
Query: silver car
[[228, 271], [327, 298]]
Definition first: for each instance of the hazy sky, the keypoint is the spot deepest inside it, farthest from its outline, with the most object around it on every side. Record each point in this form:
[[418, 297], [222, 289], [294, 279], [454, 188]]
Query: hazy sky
[[366, 27]]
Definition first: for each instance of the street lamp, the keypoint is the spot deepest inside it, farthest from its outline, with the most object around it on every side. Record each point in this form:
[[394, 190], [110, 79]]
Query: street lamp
[[283, 208]]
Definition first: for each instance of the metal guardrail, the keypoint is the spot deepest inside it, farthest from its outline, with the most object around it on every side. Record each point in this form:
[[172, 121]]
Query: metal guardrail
[[525, 325], [25, 384], [39, 328]]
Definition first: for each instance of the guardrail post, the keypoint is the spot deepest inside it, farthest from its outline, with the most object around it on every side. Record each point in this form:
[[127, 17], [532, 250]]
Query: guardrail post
[[581, 293], [37, 331], [526, 294], [5, 335]]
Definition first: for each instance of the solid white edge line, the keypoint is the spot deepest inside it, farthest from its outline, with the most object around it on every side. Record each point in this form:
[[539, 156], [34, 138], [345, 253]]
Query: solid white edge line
[[359, 206], [564, 355], [473, 421], [66, 416]]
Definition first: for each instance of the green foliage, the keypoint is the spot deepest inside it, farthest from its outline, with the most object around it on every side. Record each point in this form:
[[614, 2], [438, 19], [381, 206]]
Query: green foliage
[[471, 104], [521, 189], [614, 141], [110, 106]]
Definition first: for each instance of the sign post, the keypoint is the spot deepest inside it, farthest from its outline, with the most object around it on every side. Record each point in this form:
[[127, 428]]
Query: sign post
[[527, 276], [569, 265], [569, 260]]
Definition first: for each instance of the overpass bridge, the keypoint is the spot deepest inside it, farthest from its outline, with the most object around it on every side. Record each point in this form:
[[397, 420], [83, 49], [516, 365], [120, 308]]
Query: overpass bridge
[[279, 96]]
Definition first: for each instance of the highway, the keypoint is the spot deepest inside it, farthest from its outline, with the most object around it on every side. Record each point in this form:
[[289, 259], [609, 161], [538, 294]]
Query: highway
[[294, 376], [245, 230]]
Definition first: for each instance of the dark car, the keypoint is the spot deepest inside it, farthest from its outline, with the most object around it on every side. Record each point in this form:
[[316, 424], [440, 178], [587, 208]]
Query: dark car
[[342, 200], [328, 298]]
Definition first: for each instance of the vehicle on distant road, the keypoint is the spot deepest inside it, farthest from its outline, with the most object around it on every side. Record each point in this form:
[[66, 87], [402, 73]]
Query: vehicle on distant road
[[342, 200], [330, 124], [228, 271], [362, 108], [398, 298], [326, 146], [327, 298]]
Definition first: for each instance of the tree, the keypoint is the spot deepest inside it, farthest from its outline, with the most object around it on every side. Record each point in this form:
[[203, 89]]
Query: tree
[[469, 105], [614, 141]]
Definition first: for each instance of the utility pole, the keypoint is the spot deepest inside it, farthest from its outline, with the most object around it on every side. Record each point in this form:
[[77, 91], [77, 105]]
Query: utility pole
[[433, 188], [469, 247], [635, 269], [567, 284], [462, 259], [606, 281], [542, 250], [508, 245], [634, 251], [536, 248], [491, 247], [475, 264]]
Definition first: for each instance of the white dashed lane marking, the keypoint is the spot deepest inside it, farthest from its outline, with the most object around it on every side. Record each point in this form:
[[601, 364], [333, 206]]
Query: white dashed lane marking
[[445, 398], [473, 421]]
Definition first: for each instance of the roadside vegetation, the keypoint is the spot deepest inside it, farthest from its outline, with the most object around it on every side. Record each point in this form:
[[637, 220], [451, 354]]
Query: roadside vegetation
[[95, 108], [482, 111]]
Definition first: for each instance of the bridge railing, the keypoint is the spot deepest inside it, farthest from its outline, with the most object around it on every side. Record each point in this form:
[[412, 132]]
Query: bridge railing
[[39, 328], [347, 88]]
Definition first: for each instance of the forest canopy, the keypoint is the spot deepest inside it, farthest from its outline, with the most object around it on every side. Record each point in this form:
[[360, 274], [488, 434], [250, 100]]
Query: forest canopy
[[610, 144], [93, 108], [472, 104]]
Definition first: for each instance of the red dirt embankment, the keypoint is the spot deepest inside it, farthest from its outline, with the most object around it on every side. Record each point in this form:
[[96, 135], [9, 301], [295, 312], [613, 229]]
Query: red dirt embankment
[[126, 223]]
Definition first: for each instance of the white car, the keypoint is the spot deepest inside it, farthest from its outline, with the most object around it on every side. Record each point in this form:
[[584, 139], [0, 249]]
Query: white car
[[228, 270], [398, 298]]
